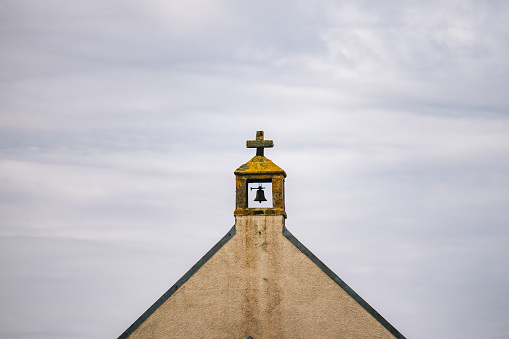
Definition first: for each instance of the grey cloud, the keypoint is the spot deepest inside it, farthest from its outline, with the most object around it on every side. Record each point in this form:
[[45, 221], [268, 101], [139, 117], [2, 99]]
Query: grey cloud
[[118, 118]]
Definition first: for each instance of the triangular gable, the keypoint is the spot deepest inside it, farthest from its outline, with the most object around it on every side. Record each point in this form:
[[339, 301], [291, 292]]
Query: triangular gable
[[299, 246]]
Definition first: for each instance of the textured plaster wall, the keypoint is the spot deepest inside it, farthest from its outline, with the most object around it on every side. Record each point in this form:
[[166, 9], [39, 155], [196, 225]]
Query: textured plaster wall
[[259, 284]]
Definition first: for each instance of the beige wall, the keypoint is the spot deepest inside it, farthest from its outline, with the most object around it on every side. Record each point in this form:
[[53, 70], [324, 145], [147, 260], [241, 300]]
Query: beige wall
[[259, 284]]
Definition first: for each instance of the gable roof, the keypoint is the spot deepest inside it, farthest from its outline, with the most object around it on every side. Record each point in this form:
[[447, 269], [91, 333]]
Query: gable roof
[[299, 246]]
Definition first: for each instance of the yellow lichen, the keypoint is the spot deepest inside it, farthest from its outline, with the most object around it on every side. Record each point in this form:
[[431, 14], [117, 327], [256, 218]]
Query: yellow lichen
[[259, 165]]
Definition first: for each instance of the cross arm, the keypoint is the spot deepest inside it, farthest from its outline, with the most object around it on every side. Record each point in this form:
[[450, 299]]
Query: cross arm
[[259, 143]]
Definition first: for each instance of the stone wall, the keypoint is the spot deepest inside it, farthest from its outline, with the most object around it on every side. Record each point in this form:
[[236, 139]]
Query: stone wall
[[260, 284]]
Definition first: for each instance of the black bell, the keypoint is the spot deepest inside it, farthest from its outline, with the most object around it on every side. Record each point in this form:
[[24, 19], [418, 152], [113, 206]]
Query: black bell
[[260, 196]]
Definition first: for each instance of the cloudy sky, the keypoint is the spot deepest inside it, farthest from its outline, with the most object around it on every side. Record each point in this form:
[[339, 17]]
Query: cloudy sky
[[121, 123]]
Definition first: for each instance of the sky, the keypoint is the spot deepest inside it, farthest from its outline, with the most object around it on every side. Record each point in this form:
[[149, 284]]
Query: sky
[[121, 123]]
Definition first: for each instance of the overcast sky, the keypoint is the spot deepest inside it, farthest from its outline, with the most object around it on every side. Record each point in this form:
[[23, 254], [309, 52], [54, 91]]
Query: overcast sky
[[121, 123]]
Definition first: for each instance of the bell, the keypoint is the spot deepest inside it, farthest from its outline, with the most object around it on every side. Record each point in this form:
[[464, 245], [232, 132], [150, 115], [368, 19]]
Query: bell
[[260, 196]]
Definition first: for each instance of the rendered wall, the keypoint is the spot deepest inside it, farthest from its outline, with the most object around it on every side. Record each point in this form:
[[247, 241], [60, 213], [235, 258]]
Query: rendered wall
[[259, 284]]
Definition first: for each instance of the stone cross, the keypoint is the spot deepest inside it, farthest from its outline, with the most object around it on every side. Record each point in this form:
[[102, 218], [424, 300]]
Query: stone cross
[[259, 143]]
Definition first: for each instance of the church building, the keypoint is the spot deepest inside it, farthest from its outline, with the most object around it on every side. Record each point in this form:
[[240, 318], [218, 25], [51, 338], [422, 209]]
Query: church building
[[259, 281]]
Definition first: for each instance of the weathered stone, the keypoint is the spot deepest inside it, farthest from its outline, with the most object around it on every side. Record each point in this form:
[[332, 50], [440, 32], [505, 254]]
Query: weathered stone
[[259, 143]]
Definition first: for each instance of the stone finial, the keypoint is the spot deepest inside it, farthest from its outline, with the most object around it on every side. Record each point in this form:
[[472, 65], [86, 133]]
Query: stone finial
[[259, 143]]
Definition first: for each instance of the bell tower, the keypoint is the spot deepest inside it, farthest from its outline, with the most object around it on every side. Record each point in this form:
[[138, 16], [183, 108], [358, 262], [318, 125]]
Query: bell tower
[[260, 183]]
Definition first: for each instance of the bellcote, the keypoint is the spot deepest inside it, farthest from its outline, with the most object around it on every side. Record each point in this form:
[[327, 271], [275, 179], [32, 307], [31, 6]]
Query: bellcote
[[260, 183]]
